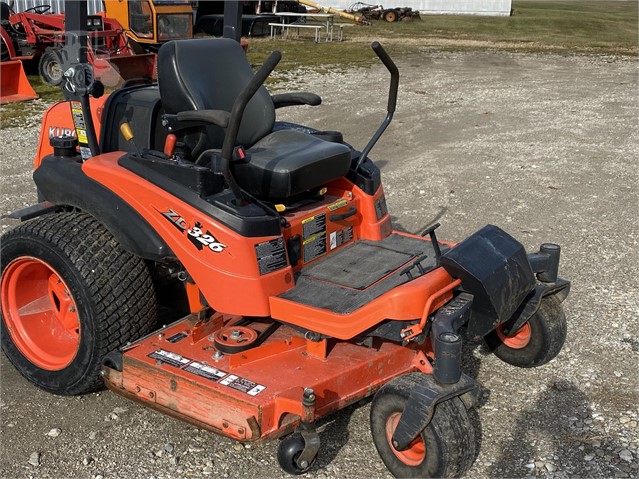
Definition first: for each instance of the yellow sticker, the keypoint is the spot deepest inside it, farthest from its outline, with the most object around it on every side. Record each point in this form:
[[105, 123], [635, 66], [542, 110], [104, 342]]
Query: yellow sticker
[[82, 136], [306, 220], [339, 204]]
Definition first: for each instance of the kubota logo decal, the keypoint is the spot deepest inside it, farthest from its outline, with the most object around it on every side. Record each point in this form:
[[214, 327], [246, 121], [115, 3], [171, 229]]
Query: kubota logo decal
[[61, 131], [195, 235]]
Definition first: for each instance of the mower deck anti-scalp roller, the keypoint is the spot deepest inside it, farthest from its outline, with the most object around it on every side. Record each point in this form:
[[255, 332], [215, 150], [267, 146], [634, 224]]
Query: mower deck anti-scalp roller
[[286, 293]]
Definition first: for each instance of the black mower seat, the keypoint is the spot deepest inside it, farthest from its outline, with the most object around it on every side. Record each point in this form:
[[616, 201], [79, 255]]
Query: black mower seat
[[209, 74], [288, 162]]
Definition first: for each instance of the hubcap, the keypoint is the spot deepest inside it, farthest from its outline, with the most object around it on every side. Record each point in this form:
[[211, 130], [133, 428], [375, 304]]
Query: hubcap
[[519, 339], [40, 313], [54, 70], [415, 454]]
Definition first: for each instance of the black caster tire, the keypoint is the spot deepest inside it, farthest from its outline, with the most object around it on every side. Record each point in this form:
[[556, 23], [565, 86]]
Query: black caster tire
[[50, 66], [70, 295], [289, 450], [536, 342], [445, 448]]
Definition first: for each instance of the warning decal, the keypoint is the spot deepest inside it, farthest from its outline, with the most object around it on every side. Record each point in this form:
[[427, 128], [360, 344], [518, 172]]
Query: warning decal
[[243, 385], [271, 255], [314, 247], [314, 236], [205, 371], [338, 238], [169, 358], [337, 205], [313, 226], [380, 207]]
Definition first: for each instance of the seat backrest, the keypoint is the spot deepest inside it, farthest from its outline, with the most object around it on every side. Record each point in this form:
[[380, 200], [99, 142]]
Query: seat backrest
[[209, 74]]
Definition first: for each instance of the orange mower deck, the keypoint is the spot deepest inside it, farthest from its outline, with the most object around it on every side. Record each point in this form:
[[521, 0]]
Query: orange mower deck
[[257, 393]]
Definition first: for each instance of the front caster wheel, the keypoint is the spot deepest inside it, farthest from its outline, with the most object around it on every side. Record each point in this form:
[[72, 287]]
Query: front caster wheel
[[445, 448], [537, 341], [289, 452]]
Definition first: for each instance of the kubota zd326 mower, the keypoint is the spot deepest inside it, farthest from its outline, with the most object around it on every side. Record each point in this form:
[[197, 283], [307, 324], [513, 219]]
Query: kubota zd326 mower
[[274, 241]]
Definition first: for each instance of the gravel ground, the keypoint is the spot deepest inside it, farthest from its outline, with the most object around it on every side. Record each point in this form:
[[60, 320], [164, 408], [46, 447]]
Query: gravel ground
[[544, 146]]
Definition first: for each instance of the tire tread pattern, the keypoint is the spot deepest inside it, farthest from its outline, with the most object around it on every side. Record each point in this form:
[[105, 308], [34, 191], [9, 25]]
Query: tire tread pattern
[[118, 283]]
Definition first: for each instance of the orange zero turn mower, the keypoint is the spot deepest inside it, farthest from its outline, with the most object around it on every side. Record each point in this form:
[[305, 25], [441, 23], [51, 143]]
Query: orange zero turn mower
[[285, 291]]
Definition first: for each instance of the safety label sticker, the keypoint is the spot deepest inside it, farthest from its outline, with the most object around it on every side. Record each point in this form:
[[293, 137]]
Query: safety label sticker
[[205, 371], [314, 247], [169, 358], [338, 238], [380, 207], [271, 255], [78, 122], [243, 385], [337, 205], [313, 226]]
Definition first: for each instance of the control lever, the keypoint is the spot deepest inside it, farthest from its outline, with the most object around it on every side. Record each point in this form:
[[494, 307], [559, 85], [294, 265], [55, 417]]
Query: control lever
[[392, 99], [237, 112]]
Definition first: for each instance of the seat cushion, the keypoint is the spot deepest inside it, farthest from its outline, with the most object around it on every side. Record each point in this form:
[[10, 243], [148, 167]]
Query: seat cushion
[[289, 162]]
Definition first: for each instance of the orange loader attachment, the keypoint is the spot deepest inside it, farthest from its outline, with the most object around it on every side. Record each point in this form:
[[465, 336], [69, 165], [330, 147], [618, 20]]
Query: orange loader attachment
[[14, 85]]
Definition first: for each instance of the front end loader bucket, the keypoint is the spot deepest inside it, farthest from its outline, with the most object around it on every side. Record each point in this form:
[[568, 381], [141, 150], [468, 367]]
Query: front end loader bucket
[[14, 85], [114, 70]]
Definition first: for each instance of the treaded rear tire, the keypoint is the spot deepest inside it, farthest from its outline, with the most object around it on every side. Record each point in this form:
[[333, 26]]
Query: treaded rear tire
[[112, 289], [50, 66], [449, 438]]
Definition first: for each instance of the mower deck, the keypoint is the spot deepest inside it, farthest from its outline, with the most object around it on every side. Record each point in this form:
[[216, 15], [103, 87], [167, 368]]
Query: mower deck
[[257, 393]]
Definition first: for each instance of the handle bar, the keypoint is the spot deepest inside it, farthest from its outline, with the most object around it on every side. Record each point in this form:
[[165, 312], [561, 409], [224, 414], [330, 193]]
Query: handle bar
[[237, 112], [392, 69], [392, 99]]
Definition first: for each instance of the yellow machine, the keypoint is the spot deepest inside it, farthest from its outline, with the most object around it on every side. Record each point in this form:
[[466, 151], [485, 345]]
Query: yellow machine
[[149, 23]]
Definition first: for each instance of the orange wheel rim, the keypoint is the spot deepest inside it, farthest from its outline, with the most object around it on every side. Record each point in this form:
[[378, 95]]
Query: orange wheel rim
[[519, 339], [415, 453], [40, 314]]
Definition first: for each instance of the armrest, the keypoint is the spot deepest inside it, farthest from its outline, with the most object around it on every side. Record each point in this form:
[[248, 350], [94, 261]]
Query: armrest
[[298, 98], [195, 118], [215, 117]]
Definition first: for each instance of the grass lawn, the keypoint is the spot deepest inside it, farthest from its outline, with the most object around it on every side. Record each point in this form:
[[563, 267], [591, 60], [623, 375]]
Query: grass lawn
[[560, 26]]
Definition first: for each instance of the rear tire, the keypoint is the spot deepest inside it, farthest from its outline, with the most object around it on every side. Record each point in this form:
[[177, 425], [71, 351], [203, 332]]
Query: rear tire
[[50, 66], [390, 15], [4, 51], [537, 342], [445, 448], [70, 295]]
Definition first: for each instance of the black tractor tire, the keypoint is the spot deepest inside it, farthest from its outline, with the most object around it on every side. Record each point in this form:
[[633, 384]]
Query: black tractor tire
[[547, 330], [289, 450], [50, 66], [445, 448], [390, 15], [110, 290], [4, 51]]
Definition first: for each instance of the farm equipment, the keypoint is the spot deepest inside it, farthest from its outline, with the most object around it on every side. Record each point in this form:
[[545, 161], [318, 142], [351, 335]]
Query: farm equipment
[[150, 23], [378, 12], [340, 13], [14, 83], [293, 296], [35, 33]]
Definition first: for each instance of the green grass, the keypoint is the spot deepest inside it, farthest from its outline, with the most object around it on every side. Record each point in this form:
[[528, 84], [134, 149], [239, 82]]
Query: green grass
[[562, 26]]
